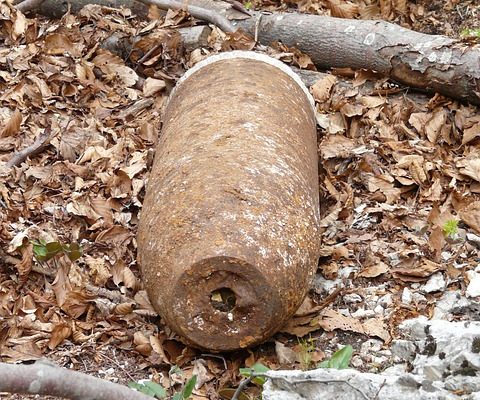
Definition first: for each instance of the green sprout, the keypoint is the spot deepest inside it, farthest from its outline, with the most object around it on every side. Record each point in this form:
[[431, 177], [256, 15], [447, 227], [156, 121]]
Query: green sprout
[[305, 354], [450, 228], [471, 32]]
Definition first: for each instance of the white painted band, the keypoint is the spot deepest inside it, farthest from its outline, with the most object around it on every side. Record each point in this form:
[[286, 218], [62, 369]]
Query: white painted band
[[252, 56]]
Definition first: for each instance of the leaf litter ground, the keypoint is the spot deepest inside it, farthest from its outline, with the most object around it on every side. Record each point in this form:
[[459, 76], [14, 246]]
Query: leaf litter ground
[[400, 205]]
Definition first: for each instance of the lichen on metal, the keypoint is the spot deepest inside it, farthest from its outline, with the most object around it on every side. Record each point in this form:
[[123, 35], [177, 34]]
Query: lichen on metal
[[228, 238]]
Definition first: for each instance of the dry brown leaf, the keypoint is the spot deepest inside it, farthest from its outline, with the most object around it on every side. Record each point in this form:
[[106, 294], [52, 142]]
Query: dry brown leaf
[[374, 270], [470, 167], [434, 192], [12, 126], [296, 328], [129, 279], [470, 134], [436, 241], [471, 215], [76, 303], [330, 270], [384, 184], [111, 64], [342, 10], [337, 146], [157, 347], [418, 273], [238, 40], [372, 101], [285, 355], [376, 327], [58, 44], [330, 320], [116, 235], [24, 267], [153, 86], [321, 89], [434, 125], [61, 331]]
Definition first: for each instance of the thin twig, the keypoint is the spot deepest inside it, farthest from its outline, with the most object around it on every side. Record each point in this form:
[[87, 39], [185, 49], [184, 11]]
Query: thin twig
[[216, 356], [28, 5], [240, 388], [135, 108], [195, 11], [40, 143]]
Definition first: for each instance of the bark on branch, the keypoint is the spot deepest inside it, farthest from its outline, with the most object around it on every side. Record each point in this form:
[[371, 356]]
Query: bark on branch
[[428, 62], [431, 63], [46, 378]]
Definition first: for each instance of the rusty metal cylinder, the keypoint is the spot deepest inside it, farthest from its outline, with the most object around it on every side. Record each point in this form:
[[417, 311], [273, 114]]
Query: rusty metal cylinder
[[228, 238]]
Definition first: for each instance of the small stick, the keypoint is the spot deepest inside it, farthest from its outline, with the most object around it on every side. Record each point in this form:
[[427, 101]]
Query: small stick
[[240, 388], [135, 108], [40, 143]]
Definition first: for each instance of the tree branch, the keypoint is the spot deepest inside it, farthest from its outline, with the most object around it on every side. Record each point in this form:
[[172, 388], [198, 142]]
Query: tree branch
[[28, 5], [45, 378], [197, 12]]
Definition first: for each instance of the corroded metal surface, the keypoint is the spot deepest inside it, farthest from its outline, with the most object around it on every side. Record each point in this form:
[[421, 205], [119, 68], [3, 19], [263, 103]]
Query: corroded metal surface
[[228, 237]]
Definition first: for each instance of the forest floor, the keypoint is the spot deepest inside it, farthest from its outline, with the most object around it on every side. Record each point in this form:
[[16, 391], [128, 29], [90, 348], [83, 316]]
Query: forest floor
[[400, 184]]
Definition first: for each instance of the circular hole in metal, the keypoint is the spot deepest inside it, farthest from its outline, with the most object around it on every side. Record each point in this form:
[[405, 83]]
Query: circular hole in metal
[[223, 299]]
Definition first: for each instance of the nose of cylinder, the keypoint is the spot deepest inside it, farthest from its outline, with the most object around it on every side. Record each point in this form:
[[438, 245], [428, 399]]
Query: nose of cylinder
[[224, 303]]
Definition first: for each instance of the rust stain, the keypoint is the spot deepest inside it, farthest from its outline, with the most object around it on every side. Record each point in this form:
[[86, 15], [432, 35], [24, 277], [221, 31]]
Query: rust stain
[[232, 205]]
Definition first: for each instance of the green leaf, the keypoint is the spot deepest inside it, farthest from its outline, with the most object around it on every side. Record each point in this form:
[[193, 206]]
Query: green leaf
[[39, 251], [149, 388], [159, 391], [73, 251], [258, 368], [45, 251], [339, 360], [53, 247], [141, 388], [190, 385], [248, 5], [177, 396], [324, 364]]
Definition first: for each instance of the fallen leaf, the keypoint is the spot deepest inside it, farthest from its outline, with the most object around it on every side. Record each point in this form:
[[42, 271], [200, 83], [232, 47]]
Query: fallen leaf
[[471, 215], [417, 273], [321, 89], [374, 270], [61, 331], [285, 354]]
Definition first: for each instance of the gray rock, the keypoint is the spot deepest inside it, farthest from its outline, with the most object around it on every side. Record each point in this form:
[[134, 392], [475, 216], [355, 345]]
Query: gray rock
[[347, 384], [473, 289], [352, 298], [404, 349], [435, 283], [406, 296]]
